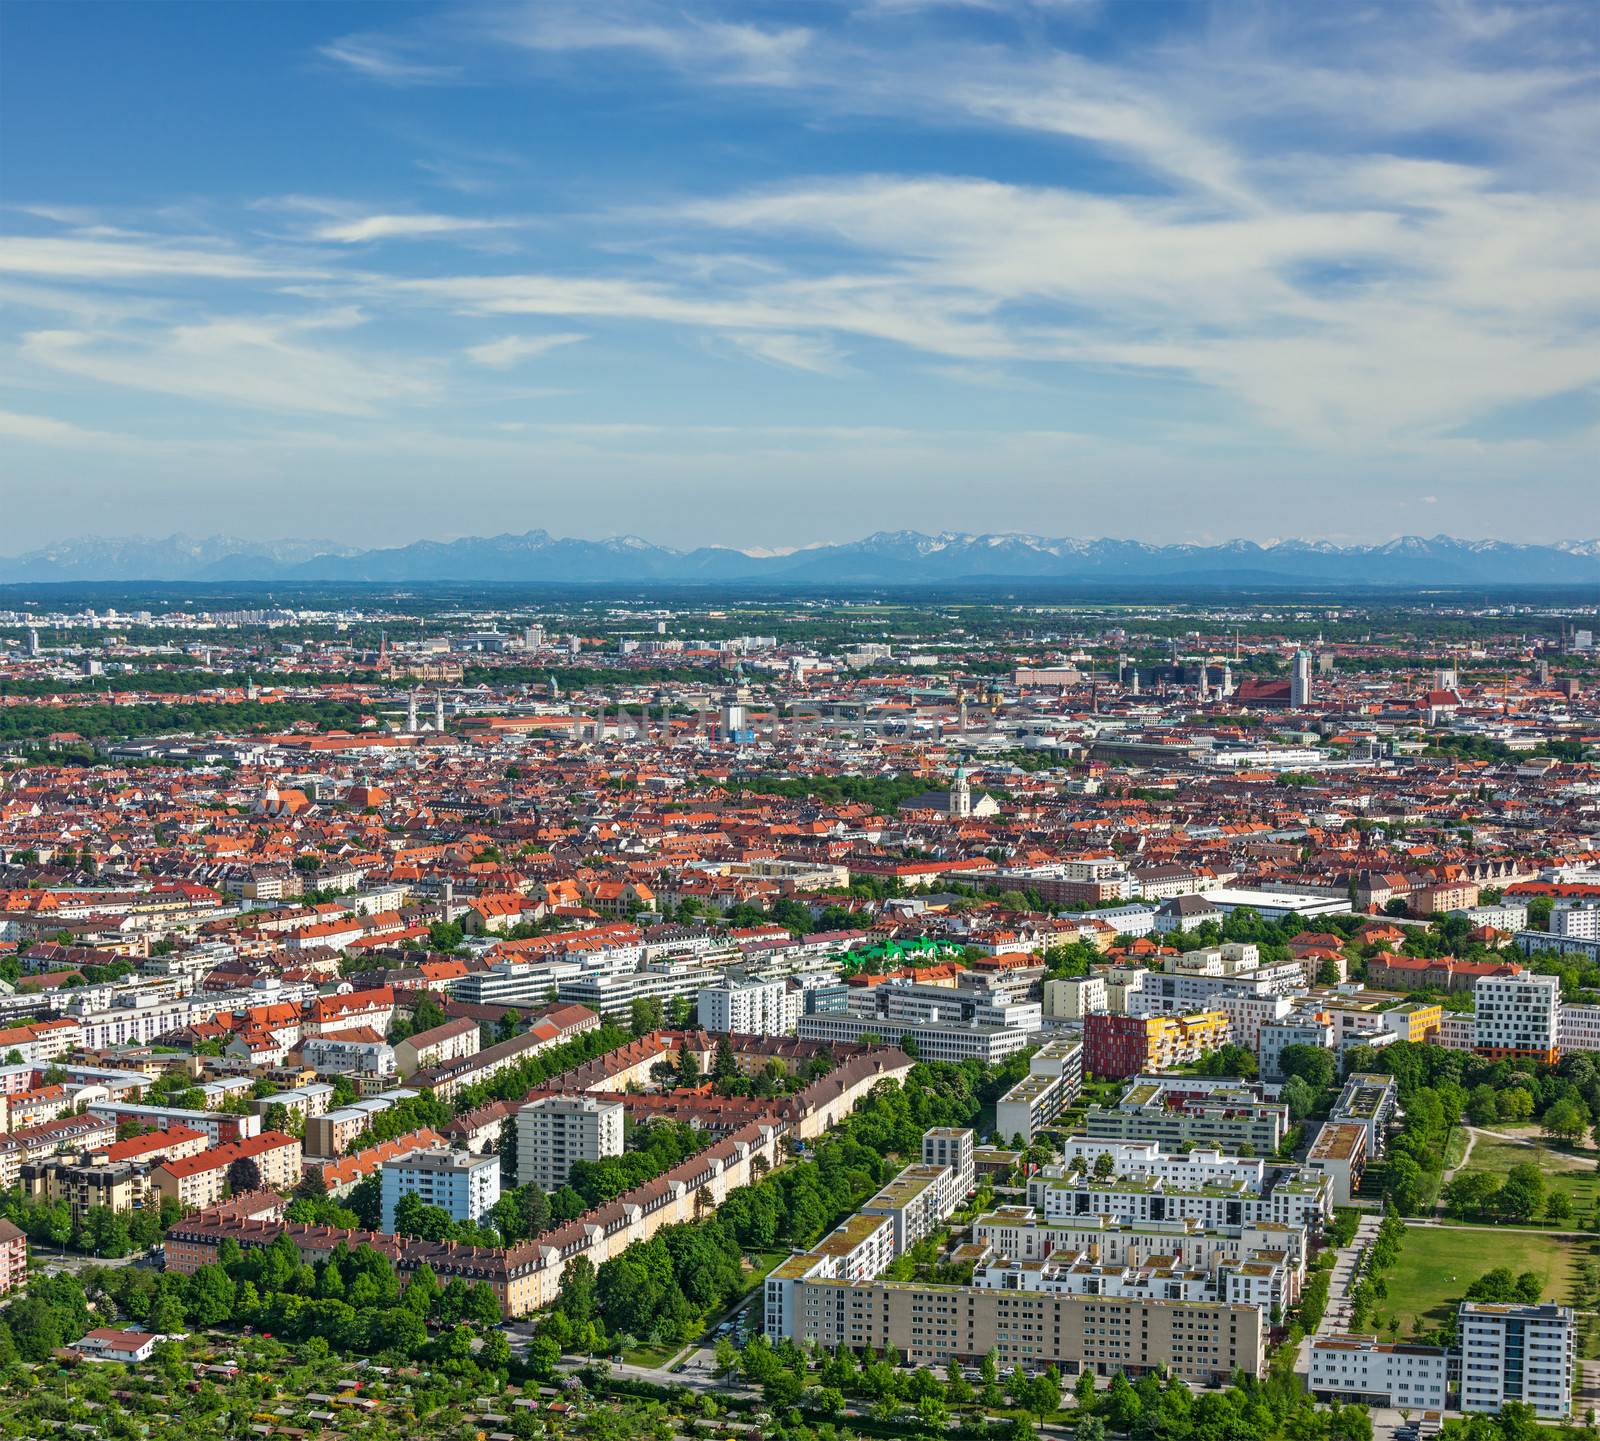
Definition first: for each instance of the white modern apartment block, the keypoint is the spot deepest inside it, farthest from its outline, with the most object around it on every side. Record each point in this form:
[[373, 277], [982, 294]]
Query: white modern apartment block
[[463, 1184], [1301, 1028], [1071, 998], [1579, 1029], [555, 1131], [1516, 1353], [1370, 1372], [859, 1250], [1503, 917], [1576, 919], [1054, 1079], [739, 1006], [951, 1146], [1517, 1016]]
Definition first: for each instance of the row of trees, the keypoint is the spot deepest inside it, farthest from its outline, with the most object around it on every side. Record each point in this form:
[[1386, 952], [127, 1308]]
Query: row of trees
[[99, 1231]]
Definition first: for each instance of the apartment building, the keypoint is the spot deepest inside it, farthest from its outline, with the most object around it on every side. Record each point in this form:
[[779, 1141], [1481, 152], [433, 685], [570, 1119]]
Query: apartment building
[[1177, 1111], [1517, 1018], [951, 1146], [1303, 1028], [1021, 1233], [916, 1203], [1364, 1371], [1516, 1353], [1054, 1081], [1201, 1341], [1290, 1196], [13, 1258], [555, 1131], [198, 1181], [452, 1041], [956, 1041], [217, 1126], [1369, 1100], [1119, 1046], [737, 1004], [860, 1249], [1071, 998], [464, 1185], [1339, 1152]]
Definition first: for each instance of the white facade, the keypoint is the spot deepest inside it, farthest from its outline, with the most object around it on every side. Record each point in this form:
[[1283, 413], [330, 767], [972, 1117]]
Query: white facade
[[1579, 1028], [1516, 1353], [951, 1146], [555, 1131], [1503, 917], [1576, 919], [1363, 1369], [1516, 1013], [1071, 998], [465, 1185], [743, 1007]]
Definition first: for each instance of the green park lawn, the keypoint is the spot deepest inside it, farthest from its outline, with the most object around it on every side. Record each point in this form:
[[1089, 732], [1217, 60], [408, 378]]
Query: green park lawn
[[1570, 1172], [1437, 1264]]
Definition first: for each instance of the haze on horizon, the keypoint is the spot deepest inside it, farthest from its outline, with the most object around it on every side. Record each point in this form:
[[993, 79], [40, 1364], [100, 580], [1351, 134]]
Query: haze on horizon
[[768, 275]]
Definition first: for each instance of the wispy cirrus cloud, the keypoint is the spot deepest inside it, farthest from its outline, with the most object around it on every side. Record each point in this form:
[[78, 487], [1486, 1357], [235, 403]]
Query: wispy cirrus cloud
[[371, 228], [383, 59], [259, 363], [511, 350]]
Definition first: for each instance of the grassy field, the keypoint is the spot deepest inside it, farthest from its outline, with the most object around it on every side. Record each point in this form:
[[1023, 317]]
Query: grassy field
[[1437, 1264], [1571, 1172]]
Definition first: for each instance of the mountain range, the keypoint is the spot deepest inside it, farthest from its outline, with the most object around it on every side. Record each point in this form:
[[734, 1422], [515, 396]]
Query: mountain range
[[885, 558]]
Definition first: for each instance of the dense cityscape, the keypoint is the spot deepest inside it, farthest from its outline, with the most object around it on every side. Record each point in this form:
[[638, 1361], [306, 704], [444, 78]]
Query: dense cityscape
[[799, 720], [491, 1014]]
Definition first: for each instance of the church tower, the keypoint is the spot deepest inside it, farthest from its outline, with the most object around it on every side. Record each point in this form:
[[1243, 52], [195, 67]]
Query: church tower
[[960, 794]]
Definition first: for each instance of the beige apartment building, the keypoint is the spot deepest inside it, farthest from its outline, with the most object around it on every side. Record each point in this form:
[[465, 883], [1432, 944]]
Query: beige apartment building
[[198, 1181], [1202, 1341]]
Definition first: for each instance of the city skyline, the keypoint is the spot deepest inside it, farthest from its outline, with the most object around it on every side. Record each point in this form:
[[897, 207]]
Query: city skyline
[[774, 276]]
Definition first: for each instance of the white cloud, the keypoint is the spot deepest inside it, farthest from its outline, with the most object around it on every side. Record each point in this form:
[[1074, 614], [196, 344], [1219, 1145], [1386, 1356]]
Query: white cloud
[[256, 363], [379, 59], [509, 350], [45, 430], [66, 256], [403, 227], [815, 354], [724, 50]]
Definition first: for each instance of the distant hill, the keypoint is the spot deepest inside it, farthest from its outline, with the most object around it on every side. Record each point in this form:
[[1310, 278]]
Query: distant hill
[[886, 558]]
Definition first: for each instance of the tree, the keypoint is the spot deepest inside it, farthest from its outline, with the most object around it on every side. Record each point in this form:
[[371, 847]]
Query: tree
[[1566, 1121], [1516, 1104], [242, 1175], [1522, 1194], [1313, 1064], [426, 1014], [211, 1296], [645, 1014], [1042, 1394]]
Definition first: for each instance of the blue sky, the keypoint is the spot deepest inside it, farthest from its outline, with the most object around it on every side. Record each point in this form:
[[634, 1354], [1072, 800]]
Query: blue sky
[[777, 274]]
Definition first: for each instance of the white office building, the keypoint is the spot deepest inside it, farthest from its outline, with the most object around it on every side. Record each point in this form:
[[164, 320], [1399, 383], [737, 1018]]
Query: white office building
[[1516, 1353], [555, 1131], [465, 1185]]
